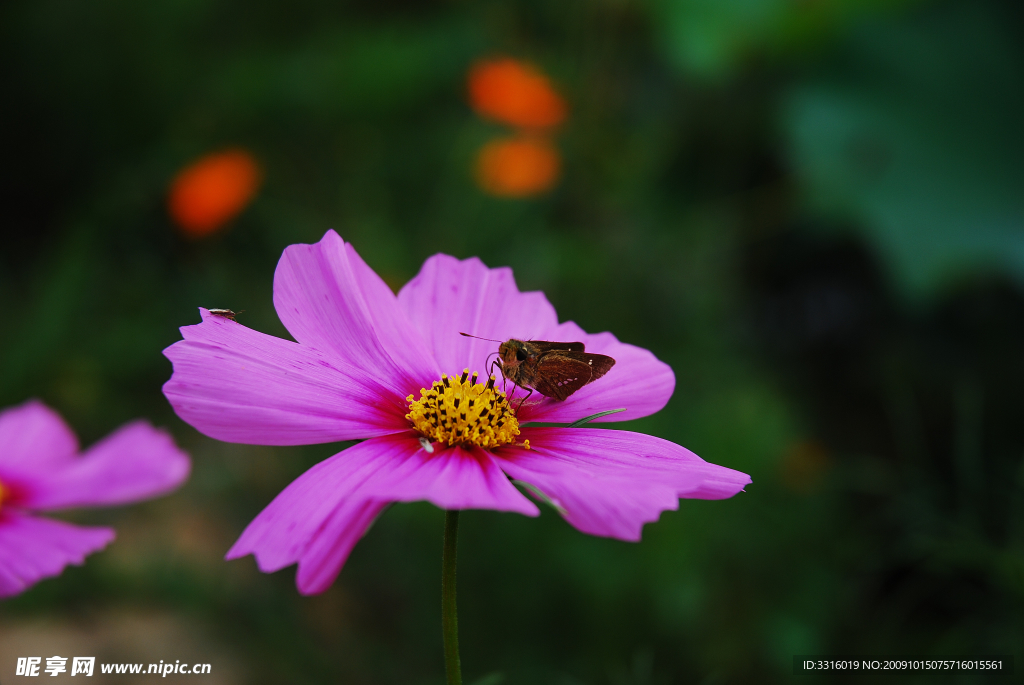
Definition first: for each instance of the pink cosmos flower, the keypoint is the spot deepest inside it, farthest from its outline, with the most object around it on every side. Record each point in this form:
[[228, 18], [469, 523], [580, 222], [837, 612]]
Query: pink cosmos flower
[[41, 470], [369, 365]]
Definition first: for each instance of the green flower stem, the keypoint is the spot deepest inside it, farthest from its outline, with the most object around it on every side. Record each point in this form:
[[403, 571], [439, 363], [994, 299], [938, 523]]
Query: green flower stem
[[449, 613]]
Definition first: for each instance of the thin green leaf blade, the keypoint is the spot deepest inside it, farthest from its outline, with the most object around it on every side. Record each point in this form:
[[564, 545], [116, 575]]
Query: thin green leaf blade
[[577, 424]]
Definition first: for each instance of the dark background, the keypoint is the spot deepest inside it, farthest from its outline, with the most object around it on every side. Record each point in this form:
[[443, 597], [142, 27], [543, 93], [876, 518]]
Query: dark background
[[811, 209]]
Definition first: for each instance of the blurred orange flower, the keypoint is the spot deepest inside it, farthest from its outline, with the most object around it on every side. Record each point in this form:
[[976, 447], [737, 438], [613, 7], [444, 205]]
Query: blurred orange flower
[[514, 93], [517, 167], [207, 194]]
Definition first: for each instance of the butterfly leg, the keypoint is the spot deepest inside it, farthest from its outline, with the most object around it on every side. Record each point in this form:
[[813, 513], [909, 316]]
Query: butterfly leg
[[501, 370], [523, 400]]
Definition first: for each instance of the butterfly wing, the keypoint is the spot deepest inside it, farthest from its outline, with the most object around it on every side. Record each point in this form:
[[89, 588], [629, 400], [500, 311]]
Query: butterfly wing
[[545, 346], [599, 364], [560, 375]]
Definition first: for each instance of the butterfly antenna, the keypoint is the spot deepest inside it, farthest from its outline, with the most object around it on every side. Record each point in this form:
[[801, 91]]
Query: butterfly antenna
[[479, 338]]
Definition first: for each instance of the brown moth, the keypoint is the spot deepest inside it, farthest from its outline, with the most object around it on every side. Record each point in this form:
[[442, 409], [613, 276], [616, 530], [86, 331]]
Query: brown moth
[[554, 369], [225, 313]]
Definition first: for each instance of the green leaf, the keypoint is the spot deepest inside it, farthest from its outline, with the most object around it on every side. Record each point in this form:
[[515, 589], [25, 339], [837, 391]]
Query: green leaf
[[577, 424], [913, 140], [539, 495]]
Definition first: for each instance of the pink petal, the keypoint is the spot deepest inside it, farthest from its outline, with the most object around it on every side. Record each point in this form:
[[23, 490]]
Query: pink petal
[[235, 384], [611, 482], [34, 439], [320, 516], [134, 463], [328, 298], [451, 478], [639, 382], [449, 296], [280, 534], [35, 548], [326, 553]]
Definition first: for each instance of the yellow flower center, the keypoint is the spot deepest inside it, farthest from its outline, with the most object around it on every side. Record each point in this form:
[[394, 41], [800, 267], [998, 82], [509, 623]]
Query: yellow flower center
[[460, 411]]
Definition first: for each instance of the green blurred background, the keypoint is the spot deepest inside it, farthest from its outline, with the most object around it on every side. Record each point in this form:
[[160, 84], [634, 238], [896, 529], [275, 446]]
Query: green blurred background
[[812, 209]]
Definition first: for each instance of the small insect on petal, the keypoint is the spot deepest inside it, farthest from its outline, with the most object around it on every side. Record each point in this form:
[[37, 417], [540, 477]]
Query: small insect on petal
[[225, 313], [427, 445]]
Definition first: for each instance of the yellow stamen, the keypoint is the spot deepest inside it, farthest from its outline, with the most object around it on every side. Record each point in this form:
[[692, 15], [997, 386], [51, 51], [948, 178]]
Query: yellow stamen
[[460, 411]]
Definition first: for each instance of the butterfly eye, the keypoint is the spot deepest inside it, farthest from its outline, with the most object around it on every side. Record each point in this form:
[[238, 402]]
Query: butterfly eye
[[521, 355]]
